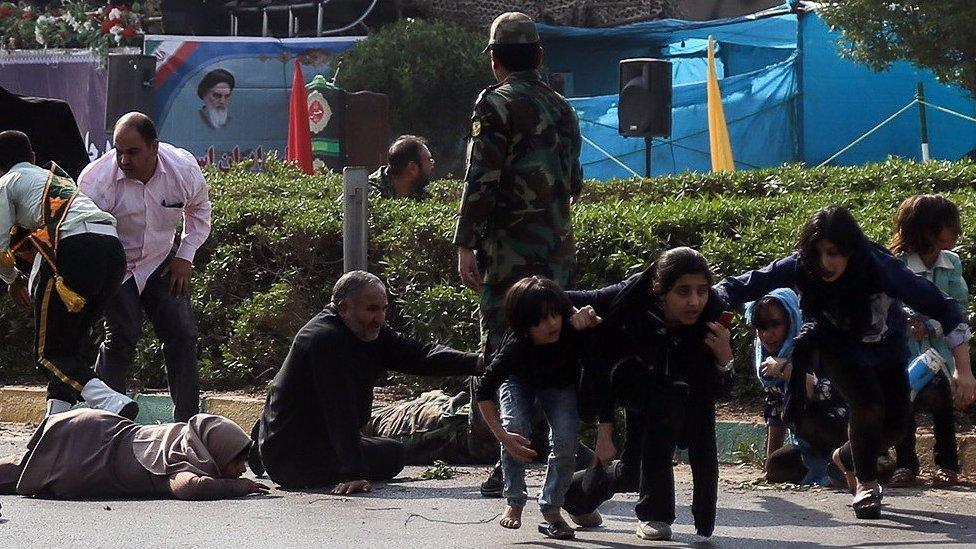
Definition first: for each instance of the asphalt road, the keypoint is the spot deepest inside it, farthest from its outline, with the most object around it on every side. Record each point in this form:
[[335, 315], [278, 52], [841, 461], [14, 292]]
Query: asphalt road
[[450, 513]]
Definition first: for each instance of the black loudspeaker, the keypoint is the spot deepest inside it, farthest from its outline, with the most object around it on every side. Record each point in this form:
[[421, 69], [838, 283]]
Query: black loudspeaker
[[645, 98], [130, 81]]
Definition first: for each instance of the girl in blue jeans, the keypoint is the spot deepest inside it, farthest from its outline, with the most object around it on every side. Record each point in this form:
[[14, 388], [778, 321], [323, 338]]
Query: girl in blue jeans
[[538, 361]]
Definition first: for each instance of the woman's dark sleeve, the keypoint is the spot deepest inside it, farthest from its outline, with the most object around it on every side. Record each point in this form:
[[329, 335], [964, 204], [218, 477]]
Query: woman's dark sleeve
[[596, 391], [752, 285], [600, 299], [899, 282]]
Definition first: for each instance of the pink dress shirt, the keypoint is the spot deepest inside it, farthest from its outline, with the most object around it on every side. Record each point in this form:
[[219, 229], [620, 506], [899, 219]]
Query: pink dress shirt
[[149, 214]]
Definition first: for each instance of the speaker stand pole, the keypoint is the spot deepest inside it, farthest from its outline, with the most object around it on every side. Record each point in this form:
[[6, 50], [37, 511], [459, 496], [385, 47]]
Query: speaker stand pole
[[647, 156]]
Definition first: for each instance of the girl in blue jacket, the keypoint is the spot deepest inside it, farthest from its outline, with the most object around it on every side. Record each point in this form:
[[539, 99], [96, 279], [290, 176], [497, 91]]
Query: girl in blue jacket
[[926, 229], [851, 291]]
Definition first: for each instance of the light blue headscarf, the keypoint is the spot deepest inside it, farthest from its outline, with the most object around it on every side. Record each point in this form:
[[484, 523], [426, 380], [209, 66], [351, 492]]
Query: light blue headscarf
[[791, 303]]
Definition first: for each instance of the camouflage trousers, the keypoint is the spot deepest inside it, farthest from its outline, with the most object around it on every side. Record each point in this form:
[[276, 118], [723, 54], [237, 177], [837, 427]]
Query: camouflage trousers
[[493, 322], [481, 443]]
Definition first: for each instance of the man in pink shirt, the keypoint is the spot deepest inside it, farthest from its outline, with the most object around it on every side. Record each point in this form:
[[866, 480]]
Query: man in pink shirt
[[149, 187]]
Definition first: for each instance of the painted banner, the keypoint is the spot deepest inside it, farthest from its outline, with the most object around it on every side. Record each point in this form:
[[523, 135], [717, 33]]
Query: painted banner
[[226, 98]]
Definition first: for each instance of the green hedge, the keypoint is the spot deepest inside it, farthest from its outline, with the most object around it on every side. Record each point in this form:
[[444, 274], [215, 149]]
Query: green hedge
[[276, 250]]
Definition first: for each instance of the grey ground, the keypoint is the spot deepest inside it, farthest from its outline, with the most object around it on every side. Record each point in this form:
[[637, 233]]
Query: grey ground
[[405, 513]]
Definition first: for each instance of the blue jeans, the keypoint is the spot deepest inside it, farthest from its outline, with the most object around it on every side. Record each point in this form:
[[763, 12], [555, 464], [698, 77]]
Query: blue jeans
[[559, 405]]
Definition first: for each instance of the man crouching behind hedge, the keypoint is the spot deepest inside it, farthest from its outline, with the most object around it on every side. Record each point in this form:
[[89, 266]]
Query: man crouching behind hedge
[[310, 432]]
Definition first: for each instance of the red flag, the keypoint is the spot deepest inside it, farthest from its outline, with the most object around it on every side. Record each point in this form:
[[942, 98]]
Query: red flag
[[299, 148]]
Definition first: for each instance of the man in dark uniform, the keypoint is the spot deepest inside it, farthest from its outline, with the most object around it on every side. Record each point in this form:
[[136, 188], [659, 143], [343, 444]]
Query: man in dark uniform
[[407, 171], [523, 170], [310, 434]]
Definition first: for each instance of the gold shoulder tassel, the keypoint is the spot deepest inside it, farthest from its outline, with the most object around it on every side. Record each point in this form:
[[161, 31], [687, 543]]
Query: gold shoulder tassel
[[71, 299]]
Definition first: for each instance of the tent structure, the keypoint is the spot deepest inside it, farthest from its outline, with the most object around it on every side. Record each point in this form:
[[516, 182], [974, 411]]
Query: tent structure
[[788, 95]]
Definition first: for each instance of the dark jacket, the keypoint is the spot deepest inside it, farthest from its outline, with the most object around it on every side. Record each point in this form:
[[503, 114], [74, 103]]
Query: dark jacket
[[323, 393], [669, 378], [556, 365], [633, 327], [894, 284]]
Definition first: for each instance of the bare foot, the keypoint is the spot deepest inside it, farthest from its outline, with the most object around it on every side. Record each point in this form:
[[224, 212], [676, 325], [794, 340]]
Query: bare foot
[[848, 476], [511, 518]]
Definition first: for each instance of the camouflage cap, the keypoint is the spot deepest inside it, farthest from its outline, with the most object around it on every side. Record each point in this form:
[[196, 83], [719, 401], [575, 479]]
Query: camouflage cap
[[513, 27]]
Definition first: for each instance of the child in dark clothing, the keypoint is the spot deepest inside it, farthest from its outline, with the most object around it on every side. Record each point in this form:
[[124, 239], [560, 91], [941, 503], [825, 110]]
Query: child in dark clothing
[[818, 418], [926, 229], [539, 360], [670, 357]]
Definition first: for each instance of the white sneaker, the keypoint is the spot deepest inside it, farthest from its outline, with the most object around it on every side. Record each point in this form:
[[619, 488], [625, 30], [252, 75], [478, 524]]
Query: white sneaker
[[56, 406], [102, 397], [653, 530]]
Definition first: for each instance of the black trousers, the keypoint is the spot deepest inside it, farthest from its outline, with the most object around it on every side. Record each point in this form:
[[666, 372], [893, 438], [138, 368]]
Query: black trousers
[[874, 383], [936, 399], [308, 465], [175, 325], [93, 266], [661, 415]]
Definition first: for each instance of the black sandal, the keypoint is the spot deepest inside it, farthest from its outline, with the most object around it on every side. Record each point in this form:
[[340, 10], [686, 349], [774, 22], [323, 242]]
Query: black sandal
[[867, 505], [557, 530]]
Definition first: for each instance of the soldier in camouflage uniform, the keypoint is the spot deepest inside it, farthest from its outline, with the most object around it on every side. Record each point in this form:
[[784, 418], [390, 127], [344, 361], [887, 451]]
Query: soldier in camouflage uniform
[[407, 171], [523, 170]]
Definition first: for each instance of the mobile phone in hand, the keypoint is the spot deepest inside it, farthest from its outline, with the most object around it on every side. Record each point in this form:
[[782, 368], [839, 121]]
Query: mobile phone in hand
[[725, 319]]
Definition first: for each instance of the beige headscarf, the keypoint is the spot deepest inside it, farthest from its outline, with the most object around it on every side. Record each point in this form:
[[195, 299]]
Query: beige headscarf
[[203, 446]]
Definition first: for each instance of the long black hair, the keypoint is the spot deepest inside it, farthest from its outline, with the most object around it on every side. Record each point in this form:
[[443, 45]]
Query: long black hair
[[677, 262], [848, 299], [533, 299]]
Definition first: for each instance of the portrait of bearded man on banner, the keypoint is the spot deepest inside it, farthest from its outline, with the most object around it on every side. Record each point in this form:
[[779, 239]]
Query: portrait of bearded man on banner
[[215, 89]]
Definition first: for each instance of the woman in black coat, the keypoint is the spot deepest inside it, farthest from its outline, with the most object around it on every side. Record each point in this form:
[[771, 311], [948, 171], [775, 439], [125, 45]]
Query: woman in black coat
[[667, 356]]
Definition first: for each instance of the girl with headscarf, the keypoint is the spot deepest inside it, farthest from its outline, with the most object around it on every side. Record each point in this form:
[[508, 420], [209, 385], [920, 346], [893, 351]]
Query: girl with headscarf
[[92, 453], [818, 418]]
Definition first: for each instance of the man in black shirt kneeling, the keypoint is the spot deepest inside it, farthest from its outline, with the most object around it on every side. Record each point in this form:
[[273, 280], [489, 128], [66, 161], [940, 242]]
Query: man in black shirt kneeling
[[310, 432]]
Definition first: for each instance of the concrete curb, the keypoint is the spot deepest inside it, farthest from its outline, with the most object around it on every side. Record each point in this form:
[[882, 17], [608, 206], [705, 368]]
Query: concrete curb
[[20, 404]]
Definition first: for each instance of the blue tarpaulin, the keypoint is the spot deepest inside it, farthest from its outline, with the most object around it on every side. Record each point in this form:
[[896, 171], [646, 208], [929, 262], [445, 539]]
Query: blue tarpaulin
[[788, 95]]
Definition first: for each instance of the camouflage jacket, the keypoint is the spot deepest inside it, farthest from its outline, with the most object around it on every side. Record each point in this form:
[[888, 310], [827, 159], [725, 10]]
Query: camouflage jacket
[[381, 183], [523, 168]]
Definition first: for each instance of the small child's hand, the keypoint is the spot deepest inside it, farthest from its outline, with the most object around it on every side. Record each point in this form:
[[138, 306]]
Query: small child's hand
[[585, 318], [773, 367], [518, 446]]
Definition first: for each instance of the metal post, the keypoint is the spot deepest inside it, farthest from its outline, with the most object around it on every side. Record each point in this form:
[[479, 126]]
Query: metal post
[[264, 21], [354, 205], [233, 24], [923, 128], [647, 156], [321, 16]]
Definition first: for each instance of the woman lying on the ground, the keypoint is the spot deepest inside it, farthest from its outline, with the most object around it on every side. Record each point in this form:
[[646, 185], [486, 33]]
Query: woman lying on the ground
[[850, 290], [671, 356], [817, 416], [90, 453]]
